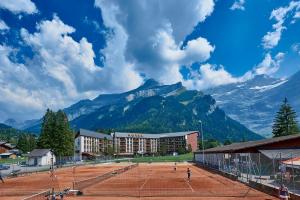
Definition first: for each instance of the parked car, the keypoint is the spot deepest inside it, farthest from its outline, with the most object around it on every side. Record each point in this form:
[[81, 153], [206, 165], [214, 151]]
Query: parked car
[[4, 167]]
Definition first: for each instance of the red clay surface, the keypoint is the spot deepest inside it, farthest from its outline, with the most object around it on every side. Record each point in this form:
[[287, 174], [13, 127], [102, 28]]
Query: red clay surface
[[157, 181], [147, 182], [20, 187]]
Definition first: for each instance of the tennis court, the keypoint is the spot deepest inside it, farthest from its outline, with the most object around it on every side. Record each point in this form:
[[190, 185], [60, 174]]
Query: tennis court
[[160, 181], [155, 181], [24, 186]]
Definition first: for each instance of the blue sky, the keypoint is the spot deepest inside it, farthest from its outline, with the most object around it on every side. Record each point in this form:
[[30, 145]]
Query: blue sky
[[56, 53]]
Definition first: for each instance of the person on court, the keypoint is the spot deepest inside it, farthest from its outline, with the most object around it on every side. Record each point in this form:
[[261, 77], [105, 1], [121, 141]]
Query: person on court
[[283, 192], [188, 171], [175, 167]]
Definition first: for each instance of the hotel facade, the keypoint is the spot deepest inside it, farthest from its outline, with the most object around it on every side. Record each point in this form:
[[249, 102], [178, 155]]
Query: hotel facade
[[128, 144]]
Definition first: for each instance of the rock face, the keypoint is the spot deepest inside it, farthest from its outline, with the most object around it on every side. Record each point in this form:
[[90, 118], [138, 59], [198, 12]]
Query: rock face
[[254, 103], [157, 108]]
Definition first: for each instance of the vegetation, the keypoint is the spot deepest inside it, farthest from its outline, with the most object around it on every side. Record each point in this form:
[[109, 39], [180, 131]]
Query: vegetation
[[156, 114], [9, 134], [285, 121], [211, 143], [179, 158], [227, 142], [56, 134], [26, 143]]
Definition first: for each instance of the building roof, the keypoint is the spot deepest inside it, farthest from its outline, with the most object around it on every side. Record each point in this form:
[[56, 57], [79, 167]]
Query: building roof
[[6, 154], [152, 135], [84, 132], [38, 152], [6, 145], [243, 146], [293, 162]]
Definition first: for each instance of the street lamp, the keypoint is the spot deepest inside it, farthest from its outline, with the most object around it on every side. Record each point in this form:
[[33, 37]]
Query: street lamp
[[202, 141]]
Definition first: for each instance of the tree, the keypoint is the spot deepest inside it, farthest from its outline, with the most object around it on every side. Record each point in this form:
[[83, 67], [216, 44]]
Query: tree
[[227, 142], [181, 150], [190, 149], [56, 134], [163, 150], [210, 143], [26, 143], [285, 121]]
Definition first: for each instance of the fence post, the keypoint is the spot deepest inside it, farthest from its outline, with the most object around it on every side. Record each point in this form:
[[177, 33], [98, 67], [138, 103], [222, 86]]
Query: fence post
[[259, 167]]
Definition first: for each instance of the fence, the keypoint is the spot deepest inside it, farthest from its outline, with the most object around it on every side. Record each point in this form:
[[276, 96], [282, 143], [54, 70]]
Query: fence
[[268, 167]]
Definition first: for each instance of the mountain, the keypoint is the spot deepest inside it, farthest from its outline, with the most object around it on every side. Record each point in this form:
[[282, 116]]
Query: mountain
[[255, 102], [20, 125], [155, 108], [8, 133]]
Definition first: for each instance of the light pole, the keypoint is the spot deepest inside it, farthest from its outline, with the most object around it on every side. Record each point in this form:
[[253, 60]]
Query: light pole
[[202, 141]]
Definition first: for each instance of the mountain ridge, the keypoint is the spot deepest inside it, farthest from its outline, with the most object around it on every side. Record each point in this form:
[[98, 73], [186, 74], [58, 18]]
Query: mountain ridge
[[155, 108], [254, 103]]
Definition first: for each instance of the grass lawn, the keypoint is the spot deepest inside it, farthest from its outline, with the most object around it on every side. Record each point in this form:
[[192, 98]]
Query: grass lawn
[[179, 158], [12, 161]]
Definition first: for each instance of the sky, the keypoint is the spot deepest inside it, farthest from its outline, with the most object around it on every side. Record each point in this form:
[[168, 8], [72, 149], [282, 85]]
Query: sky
[[55, 53]]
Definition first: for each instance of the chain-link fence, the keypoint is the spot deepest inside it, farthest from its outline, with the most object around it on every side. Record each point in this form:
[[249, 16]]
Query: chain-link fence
[[268, 167]]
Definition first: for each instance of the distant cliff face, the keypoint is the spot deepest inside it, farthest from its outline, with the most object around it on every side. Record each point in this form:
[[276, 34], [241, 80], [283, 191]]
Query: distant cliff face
[[155, 108]]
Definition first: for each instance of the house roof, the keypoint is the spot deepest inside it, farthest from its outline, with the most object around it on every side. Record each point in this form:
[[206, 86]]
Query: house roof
[[38, 152], [236, 147], [84, 132], [6, 145], [152, 135], [6, 154], [293, 161]]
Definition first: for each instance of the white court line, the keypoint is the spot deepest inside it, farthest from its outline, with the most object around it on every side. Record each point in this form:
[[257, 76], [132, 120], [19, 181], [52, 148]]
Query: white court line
[[189, 185], [142, 186]]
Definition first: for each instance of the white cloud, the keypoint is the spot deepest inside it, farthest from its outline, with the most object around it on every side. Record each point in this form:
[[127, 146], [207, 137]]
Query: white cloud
[[238, 5], [280, 15], [62, 71], [269, 65], [149, 35], [19, 6], [209, 76], [3, 26], [296, 48]]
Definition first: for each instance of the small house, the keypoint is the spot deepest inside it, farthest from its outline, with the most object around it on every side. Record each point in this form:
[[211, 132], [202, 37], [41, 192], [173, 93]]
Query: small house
[[40, 157], [8, 156], [5, 147]]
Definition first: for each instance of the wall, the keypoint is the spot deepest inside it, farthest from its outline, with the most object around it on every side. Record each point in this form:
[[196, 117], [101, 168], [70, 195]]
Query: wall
[[192, 139]]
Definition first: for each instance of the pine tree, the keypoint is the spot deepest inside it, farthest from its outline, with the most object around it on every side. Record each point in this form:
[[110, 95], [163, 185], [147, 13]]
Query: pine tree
[[285, 121], [56, 134]]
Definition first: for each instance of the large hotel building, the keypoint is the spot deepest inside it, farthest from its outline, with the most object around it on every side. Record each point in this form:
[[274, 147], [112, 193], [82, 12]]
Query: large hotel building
[[90, 143]]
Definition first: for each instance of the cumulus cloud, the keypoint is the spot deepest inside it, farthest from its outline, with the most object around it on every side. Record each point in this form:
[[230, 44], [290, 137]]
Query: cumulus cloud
[[3, 26], [269, 65], [149, 35], [144, 40], [238, 5], [19, 6], [61, 71], [208, 76], [280, 15]]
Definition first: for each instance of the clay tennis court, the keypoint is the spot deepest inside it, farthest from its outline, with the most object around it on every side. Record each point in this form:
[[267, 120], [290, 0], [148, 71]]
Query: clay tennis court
[[160, 181], [155, 181], [24, 186]]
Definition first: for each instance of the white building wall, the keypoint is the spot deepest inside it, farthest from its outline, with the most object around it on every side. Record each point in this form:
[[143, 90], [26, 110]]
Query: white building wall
[[43, 160]]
